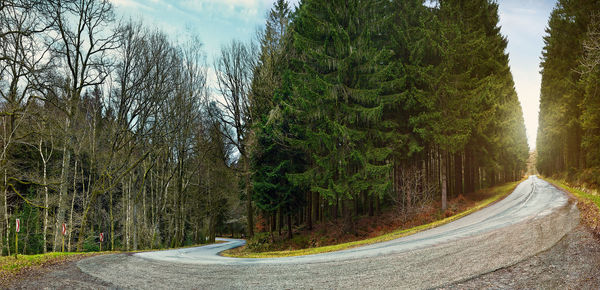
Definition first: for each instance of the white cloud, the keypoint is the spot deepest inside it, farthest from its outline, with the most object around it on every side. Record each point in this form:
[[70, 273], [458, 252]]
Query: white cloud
[[241, 9], [131, 4], [233, 3]]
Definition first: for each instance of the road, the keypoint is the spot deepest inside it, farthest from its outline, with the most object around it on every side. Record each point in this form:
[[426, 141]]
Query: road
[[530, 220]]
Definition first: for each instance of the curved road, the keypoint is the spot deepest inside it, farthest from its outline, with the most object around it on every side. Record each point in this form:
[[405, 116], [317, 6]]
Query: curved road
[[531, 219]]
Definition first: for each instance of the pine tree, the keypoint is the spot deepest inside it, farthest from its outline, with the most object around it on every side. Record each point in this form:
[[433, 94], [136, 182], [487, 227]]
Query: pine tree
[[338, 98], [560, 129], [271, 62]]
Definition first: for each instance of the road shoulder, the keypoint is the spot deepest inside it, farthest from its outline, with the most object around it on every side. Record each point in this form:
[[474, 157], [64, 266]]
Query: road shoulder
[[573, 263], [59, 276]]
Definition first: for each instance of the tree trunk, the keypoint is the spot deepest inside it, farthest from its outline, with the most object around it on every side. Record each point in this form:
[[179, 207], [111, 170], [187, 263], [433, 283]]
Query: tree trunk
[[62, 192], [309, 214], [458, 174], [112, 222], [6, 219], [289, 222], [443, 181], [45, 181], [250, 213], [72, 205], [371, 197], [468, 172]]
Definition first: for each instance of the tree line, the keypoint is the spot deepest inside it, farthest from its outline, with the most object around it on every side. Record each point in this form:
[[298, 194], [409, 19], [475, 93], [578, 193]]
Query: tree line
[[568, 140], [107, 127], [368, 104], [336, 110]]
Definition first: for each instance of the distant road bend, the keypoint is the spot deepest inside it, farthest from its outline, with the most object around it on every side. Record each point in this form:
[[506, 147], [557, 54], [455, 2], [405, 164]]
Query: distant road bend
[[530, 220]]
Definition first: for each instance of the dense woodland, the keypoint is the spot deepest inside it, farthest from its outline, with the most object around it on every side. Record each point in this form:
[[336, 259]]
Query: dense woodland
[[568, 141], [337, 110]]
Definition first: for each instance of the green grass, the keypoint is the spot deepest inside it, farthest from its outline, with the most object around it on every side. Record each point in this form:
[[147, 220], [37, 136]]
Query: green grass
[[11, 267], [495, 192], [576, 191]]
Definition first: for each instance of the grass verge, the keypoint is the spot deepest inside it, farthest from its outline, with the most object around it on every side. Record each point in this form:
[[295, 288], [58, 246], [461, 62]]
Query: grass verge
[[11, 268], [588, 204], [496, 193], [580, 194]]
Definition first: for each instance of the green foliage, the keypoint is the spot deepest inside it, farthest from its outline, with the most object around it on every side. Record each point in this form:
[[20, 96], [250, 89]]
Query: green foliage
[[260, 242], [274, 160], [568, 121], [338, 69], [369, 85], [91, 244]]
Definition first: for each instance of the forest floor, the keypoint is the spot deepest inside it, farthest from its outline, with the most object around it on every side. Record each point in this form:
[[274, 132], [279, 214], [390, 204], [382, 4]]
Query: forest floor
[[390, 224]]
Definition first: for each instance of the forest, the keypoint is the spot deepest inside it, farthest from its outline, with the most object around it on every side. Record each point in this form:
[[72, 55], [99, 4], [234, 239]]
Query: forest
[[338, 109], [568, 142]]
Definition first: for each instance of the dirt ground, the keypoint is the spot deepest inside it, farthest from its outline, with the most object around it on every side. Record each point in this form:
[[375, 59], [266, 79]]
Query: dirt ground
[[573, 263]]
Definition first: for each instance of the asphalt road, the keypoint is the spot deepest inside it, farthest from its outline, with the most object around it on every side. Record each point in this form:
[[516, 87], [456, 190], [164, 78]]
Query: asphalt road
[[530, 220]]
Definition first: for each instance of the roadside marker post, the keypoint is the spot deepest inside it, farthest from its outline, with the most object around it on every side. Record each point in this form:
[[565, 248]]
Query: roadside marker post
[[17, 230], [101, 240], [64, 232]]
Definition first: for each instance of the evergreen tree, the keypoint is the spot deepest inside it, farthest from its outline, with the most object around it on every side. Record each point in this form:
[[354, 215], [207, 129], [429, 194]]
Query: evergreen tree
[[336, 68], [560, 130]]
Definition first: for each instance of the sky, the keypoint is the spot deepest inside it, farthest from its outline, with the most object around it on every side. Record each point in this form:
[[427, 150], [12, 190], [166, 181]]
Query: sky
[[217, 22]]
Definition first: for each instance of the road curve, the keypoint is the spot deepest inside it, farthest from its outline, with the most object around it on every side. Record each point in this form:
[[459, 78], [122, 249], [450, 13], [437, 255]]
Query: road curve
[[531, 219], [525, 202]]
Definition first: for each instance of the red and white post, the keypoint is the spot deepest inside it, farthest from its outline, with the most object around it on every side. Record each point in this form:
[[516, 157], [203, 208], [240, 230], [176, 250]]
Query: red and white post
[[64, 232], [17, 230], [101, 240]]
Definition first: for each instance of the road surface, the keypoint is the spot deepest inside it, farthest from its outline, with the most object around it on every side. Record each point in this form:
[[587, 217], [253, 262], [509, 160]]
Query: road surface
[[530, 220]]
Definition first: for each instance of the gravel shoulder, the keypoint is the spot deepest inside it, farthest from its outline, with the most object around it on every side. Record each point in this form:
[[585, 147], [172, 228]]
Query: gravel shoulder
[[59, 276], [573, 263]]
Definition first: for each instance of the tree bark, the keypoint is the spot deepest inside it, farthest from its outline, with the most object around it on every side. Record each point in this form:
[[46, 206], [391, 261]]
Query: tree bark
[[6, 219], [63, 188], [250, 212], [443, 181], [72, 205], [289, 222], [45, 181], [458, 174]]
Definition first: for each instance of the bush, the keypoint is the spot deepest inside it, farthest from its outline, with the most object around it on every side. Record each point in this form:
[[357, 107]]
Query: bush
[[261, 242], [301, 241], [90, 244]]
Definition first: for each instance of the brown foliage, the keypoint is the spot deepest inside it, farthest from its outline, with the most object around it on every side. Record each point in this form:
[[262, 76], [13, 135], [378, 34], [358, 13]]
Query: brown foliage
[[590, 216], [332, 232]]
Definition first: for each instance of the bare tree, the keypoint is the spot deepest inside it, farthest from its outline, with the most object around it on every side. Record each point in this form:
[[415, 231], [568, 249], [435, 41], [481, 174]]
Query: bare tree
[[22, 60], [414, 189], [591, 45], [234, 69], [85, 40]]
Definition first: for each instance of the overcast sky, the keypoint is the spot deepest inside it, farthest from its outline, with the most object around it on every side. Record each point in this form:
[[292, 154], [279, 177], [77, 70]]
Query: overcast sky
[[219, 21]]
